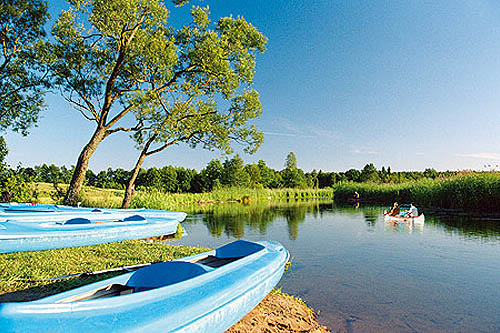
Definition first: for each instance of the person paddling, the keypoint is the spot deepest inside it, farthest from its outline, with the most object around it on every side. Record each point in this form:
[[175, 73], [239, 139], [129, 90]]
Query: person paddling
[[413, 211], [395, 210]]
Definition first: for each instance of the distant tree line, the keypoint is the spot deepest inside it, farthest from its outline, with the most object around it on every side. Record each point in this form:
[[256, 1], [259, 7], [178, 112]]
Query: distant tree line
[[228, 173]]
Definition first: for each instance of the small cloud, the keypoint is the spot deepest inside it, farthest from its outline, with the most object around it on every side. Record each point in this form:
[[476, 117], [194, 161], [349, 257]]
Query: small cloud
[[289, 135], [279, 134], [364, 152], [289, 128], [483, 156], [321, 132]]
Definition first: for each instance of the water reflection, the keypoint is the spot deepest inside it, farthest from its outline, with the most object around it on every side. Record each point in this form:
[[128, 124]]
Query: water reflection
[[231, 219], [370, 216], [467, 227], [405, 227]]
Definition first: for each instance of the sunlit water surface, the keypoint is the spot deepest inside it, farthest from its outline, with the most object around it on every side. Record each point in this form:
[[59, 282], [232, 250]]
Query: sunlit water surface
[[363, 274]]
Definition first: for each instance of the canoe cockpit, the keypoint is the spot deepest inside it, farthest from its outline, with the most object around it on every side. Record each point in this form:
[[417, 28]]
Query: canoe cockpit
[[171, 272], [83, 220]]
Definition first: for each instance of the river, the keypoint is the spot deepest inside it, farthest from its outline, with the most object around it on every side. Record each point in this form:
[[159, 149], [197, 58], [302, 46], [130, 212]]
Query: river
[[363, 274]]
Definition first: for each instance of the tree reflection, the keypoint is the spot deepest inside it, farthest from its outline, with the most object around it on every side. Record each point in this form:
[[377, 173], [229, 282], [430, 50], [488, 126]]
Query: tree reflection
[[232, 219], [485, 228], [235, 219]]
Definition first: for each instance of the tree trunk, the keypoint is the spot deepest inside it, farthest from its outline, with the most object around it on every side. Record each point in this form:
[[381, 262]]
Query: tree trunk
[[131, 181], [78, 178]]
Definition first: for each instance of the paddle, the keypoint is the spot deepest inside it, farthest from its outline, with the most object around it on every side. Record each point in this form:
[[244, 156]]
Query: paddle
[[75, 275]]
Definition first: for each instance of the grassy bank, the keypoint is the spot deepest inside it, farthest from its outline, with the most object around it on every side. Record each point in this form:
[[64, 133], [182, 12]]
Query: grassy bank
[[97, 197], [478, 192], [18, 271]]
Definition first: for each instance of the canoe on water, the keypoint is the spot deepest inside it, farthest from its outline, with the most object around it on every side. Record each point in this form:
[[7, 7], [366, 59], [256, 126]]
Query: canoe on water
[[27, 211], [59, 232], [208, 292], [356, 200], [396, 219]]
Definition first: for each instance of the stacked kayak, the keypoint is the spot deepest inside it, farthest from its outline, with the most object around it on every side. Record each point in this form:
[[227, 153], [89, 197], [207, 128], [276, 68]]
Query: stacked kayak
[[208, 292], [42, 232], [24, 210], [399, 219]]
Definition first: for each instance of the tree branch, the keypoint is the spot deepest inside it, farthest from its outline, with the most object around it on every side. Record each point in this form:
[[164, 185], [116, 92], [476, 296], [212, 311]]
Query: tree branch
[[118, 117], [124, 129]]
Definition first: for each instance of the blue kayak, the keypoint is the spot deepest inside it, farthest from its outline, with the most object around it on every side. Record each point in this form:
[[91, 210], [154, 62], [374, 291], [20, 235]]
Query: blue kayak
[[24, 211], [208, 292], [85, 229]]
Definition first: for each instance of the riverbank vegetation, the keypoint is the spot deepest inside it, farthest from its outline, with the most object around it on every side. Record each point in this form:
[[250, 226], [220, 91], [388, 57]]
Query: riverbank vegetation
[[475, 192], [152, 198], [218, 177], [232, 172], [169, 187]]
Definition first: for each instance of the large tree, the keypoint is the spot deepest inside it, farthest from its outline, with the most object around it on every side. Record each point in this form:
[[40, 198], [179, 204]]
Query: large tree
[[22, 75], [118, 57], [210, 103], [109, 54]]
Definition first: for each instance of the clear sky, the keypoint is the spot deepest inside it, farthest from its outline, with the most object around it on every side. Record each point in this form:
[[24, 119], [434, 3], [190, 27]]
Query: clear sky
[[409, 84]]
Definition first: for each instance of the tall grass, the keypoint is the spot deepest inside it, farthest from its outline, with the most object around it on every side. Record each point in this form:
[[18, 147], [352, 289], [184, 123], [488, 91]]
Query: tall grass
[[478, 192], [160, 200]]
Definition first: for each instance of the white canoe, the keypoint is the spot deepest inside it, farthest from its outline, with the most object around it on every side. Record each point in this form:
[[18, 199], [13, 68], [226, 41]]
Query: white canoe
[[397, 219]]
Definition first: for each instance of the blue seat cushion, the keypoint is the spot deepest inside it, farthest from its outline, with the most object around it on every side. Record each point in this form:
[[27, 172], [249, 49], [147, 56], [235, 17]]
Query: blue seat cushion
[[164, 274], [237, 249]]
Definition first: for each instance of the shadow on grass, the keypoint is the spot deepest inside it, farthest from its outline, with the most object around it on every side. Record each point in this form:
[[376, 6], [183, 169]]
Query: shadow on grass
[[41, 291]]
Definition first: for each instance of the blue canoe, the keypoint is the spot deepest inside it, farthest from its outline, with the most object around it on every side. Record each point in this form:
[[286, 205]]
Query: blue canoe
[[208, 292], [23, 211], [39, 234]]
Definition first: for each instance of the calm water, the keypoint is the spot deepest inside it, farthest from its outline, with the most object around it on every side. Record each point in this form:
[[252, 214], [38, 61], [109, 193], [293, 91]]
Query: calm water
[[366, 275]]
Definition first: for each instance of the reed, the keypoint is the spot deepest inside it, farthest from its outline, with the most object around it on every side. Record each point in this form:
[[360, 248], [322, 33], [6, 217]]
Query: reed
[[478, 192]]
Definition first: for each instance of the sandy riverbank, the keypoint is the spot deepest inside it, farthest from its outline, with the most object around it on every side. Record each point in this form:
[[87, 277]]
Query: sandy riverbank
[[279, 313]]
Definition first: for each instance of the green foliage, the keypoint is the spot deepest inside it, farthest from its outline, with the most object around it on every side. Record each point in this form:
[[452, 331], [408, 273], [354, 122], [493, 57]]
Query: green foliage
[[291, 161], [231, 173], [214, 62], [4, 151], [234, 174], [269, 178], [293, 178], [478, 192], [22, 62], [253, 172], [14, 188], [211, 175], [369, 173]]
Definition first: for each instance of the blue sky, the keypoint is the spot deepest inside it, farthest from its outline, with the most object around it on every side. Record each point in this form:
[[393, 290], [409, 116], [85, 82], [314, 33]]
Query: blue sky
[[407, 84]]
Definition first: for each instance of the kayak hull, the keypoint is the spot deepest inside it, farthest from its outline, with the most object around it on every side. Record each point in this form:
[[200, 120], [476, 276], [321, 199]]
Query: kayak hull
[[211, 301], [33, 235], [27, 211], [401, 219]]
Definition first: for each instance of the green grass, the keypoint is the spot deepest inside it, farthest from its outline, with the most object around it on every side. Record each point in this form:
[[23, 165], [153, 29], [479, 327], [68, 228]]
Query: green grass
[[18, 270]]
